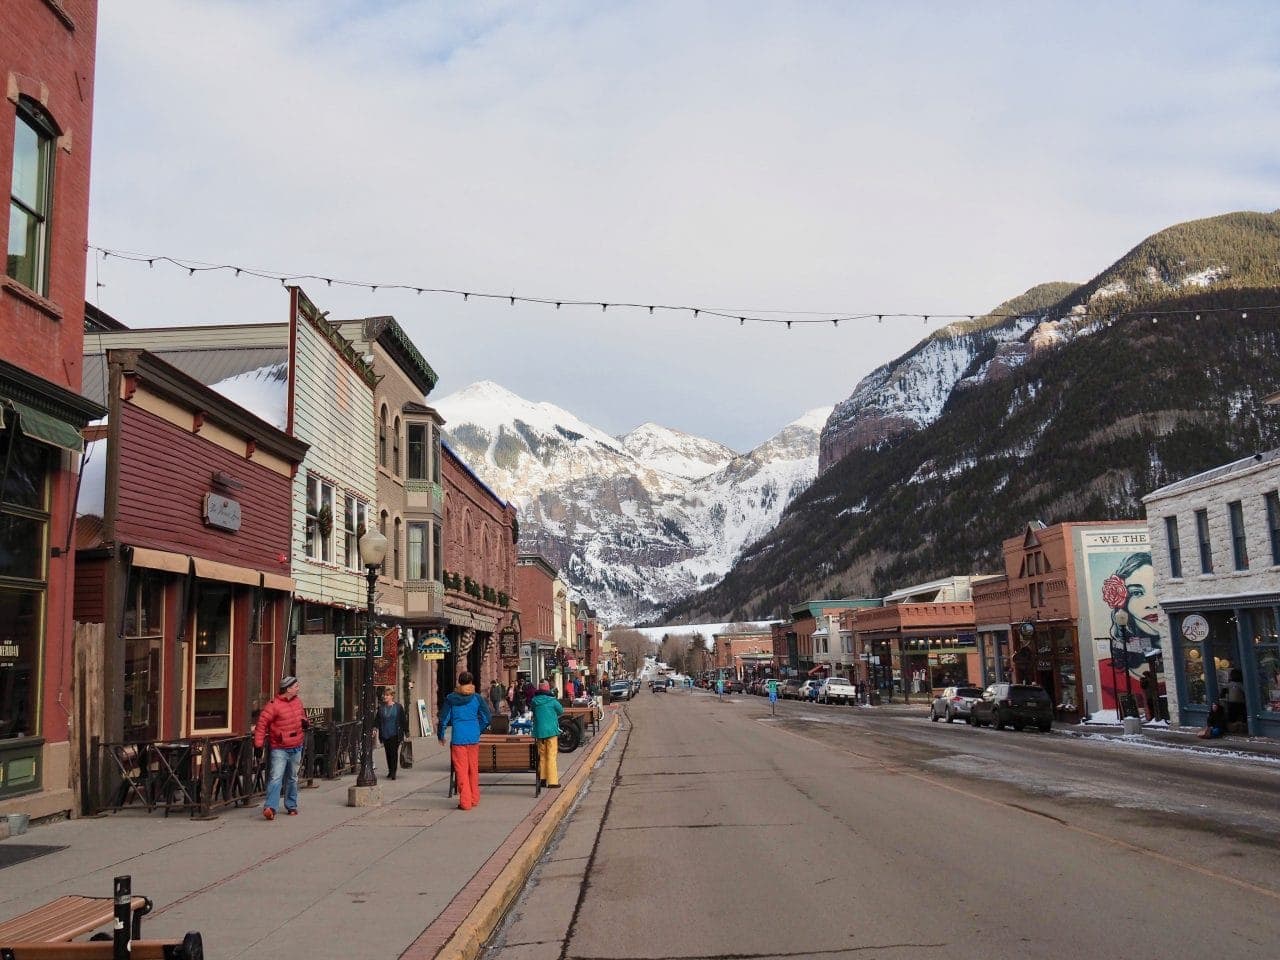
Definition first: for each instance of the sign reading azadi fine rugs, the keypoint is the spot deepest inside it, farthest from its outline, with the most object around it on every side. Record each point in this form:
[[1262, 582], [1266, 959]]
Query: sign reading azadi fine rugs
[[351, 648]]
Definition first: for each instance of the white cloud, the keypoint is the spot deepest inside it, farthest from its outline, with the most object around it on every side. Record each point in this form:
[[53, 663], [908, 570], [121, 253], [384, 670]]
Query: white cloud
[[914, 157]]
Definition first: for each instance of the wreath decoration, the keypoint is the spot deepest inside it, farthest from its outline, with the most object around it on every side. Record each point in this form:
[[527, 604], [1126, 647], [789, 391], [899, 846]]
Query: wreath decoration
[[324, 520]]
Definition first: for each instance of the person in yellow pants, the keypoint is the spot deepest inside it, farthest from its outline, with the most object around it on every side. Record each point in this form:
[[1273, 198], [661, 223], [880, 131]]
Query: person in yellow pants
[[546, 729]]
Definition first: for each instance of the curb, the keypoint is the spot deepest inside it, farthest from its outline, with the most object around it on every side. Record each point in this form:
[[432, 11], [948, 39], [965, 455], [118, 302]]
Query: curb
[[475, 929]]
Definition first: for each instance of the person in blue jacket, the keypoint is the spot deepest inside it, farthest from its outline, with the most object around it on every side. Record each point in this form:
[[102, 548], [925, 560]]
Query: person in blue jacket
[[467, 713], [547, 711]]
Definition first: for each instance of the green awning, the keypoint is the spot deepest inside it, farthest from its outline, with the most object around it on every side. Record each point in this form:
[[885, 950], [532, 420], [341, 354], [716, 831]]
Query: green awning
[[47, 428]]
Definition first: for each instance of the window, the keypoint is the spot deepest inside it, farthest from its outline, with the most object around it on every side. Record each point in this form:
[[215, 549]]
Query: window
[[395, 552], [142, 632], [24, 527], [319, 520], [1175, 547], [395, 448], [1239, 548], [356, 518], [417, 552], [433, 449], [417, 439], [382, 529], [437, 553], [1266, 653], [1273, 524], [1206, 548], [31, 197], [382, 436], [212, 701]]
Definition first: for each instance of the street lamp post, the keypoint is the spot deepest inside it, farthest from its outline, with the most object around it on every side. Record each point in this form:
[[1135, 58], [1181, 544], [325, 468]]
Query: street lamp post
[[373, 549], [1122, 622]]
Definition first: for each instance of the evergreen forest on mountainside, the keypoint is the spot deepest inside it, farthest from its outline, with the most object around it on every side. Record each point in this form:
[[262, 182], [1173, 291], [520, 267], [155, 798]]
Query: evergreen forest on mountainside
[[1078, 432]]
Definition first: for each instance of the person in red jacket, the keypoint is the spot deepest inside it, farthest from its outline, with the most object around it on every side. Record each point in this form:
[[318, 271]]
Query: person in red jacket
[[281, 726]]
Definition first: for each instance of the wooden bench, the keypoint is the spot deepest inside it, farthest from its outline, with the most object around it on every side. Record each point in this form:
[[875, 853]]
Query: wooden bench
[[46, 932], [501, 753], [586, 715]]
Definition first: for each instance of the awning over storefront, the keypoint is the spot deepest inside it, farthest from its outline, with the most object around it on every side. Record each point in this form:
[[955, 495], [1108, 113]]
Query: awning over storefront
[[46, 428], [461, 619], [160, 560], [179, 563]]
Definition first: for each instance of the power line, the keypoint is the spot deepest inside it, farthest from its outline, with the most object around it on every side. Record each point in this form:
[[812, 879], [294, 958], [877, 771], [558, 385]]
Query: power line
[[742, 315]]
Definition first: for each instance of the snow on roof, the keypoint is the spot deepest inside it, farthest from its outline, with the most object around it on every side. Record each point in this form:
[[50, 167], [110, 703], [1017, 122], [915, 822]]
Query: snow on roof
[[93, 480], [264, 392]]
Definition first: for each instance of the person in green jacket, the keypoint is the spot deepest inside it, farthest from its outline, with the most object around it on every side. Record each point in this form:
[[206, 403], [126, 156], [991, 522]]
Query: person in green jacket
[[546, 730]]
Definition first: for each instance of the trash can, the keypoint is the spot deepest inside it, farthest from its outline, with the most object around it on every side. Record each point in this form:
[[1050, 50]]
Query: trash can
[[1132, 726]]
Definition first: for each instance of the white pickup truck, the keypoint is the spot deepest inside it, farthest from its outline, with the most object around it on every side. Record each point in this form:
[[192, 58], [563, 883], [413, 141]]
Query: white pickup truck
[[837, 689]]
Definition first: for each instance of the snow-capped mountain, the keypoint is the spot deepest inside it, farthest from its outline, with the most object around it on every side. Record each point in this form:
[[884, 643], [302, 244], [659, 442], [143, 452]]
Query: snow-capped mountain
[[633, 522]]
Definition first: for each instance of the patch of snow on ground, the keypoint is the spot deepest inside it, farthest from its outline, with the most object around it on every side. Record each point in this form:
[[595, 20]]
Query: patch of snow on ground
[[1113, 289], [1206, 277]]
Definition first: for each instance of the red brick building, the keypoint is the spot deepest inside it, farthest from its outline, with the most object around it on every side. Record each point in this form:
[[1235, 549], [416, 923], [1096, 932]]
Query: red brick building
[[479, 574], [47, 57], [535, 582]]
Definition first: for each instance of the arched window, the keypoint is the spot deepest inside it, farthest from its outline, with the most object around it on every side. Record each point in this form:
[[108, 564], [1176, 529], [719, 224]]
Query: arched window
[[395, 553], [382, 436], [382, 529], [395, 449]]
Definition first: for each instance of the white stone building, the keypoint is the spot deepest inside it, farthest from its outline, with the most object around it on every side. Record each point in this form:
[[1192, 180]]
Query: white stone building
[[1215, 543]]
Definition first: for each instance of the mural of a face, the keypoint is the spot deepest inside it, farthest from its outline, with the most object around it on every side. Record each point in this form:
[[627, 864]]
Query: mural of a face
[[1144, 612]]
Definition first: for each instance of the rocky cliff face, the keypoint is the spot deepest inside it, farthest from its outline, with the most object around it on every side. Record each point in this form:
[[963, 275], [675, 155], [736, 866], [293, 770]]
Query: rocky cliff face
[[633, 522]]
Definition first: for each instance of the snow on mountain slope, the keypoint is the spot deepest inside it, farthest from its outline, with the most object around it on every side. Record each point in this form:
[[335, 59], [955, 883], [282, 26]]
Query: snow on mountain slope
[[673, 451], [635, 523]]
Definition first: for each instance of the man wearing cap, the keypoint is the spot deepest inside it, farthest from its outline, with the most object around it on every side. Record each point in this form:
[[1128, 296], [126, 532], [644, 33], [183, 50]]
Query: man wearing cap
[[280, 725]]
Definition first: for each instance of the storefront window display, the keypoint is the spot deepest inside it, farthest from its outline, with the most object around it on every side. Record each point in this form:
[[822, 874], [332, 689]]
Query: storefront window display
[[212, 707], [143, 634], [1266, 655], [24, 521], [1209, 654]]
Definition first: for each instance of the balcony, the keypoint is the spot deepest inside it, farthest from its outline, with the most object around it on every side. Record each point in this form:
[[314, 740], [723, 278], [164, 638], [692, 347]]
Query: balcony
[[424, 496], [423, 599]]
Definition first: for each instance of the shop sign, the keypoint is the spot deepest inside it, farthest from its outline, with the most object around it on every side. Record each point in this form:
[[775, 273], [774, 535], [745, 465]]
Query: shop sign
[[9, 651], [433, 645], [1195, 628], [221, 512], [352, 648]]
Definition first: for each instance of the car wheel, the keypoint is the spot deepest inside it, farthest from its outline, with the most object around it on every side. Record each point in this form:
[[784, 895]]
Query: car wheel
[[950, 716], [933, 714], [1019, 725], [973, 721], [997, 721], [1046, 727]]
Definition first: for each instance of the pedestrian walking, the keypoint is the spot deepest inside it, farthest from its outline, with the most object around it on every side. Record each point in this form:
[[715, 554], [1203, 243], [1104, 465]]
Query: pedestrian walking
[[546, 730], [468, 715], [497, 694], [1151, 693], [393, 726], [281, 726]]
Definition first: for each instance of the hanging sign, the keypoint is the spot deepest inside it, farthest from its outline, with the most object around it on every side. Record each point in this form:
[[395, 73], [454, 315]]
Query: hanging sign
[[1195, 628], [352, 648], [433, 645], [221, 512], [384, 663]]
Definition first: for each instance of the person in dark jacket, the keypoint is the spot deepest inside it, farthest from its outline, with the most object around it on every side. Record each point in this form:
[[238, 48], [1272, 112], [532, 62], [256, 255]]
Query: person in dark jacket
[[393, 726], [1215, 725], [281, 726], [546, 730], [467, 713]]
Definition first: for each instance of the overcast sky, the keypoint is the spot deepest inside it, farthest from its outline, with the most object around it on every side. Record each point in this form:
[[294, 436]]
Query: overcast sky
[[845, 157]]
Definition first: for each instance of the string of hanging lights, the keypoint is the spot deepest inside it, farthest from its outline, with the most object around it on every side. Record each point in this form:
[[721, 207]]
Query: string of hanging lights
[[742, 315]]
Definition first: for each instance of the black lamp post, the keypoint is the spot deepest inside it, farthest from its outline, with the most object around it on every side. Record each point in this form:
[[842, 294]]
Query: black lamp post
[[373, 550], [1122, 622]]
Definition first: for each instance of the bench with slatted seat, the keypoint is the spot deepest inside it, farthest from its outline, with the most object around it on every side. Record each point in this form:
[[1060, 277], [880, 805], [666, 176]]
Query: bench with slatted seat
[[47, 932], [505, 753]]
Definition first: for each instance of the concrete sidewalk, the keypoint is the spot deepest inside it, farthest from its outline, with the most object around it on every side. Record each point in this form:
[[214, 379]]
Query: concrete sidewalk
[[411, 878]]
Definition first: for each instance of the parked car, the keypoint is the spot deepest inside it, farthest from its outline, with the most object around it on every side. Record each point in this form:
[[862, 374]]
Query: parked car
[[1013, 704], [790, 690], [734, 685], [837, 690], [620, 690], [809, 689], [953, 703]]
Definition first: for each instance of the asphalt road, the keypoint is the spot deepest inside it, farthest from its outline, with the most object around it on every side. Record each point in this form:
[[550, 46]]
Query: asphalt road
[[715, 830]]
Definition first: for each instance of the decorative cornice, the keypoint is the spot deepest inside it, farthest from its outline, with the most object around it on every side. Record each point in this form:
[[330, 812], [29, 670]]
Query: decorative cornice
[[47, 397], [391, 336], [341, 345]]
